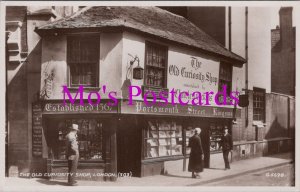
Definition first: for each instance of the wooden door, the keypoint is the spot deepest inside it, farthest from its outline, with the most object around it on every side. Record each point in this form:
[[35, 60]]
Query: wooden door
[[129, 146]]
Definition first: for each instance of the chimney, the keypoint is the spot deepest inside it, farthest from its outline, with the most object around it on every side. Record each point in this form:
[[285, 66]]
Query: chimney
[[286, 27]]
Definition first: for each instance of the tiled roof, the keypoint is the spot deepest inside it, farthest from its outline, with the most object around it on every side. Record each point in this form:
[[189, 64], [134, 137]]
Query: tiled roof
[[149, 20]]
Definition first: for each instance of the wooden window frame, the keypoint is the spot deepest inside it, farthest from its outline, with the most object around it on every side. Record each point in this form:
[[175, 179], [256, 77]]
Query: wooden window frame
[[96, 62], [161, 47], [225, 65], [261, 103]]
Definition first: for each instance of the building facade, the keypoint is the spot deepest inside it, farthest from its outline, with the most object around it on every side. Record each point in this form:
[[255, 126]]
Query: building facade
[[283, 54], [94, 55], [270, 115]]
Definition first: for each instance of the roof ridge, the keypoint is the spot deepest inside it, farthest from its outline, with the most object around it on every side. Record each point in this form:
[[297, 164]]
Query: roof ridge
[[68, 17], [79, 12], [163, 10]]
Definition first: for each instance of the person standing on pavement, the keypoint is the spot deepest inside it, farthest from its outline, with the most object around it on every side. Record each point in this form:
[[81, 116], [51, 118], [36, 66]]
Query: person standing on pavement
[[72, 154], [196, 156], [227, 146]]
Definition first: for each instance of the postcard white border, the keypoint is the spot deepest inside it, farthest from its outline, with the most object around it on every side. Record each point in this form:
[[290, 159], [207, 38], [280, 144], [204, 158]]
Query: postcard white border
[[296, 10]]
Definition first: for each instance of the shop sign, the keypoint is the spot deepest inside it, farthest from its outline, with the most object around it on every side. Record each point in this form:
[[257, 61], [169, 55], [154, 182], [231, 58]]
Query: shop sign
[[60, 107], [189, 73], [140, 107], [37, 130]]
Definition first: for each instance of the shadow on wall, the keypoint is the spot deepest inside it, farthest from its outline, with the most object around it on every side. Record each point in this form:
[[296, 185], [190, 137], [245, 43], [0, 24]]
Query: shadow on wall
[[21, 91], [276, 130]]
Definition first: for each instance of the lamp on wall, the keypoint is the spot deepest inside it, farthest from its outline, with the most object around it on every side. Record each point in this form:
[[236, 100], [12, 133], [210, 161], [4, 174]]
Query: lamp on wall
[[138, 72]]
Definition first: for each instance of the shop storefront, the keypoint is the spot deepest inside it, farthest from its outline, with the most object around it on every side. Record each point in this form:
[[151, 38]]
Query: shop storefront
[[123, 138], [159, 134], [96, 136], [137, 138]]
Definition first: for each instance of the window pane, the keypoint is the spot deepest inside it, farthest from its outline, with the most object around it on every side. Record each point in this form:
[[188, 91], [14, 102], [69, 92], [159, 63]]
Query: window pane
[[258, 104], [83, 58], [163, 138], [89, 139], [155, 64], [75, 77]]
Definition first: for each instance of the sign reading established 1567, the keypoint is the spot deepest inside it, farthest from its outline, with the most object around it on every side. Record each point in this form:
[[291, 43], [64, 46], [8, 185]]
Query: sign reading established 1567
[[59, 107]]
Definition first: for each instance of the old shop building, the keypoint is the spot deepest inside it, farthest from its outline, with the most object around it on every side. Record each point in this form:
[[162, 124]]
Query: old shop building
[[96, 46], [83, 51]]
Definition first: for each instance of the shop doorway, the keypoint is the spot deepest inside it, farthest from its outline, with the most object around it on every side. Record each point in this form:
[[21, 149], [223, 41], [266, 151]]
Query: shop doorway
[[205, 141], [92, 143], [129, 146], [90, 137]]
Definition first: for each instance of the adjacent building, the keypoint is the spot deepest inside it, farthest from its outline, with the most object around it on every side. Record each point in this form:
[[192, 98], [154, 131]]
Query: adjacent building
[[268, 77], [283, 54]]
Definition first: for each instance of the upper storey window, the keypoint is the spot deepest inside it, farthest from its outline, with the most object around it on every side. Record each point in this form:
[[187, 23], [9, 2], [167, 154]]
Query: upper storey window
[[83, 60]]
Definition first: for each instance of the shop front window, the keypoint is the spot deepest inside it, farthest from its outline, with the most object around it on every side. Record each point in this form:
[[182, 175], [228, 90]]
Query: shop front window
[[189, 132], [215, 128], [89, 139], [216, 133], [163, 138]]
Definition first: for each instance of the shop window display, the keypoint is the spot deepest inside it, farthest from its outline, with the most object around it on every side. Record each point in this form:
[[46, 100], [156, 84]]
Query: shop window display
[[216, 133], [163, 138], [89, 139], [188, 134], [216, 130]]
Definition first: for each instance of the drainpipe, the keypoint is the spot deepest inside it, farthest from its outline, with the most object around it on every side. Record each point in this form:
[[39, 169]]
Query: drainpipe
[[246, 64], [6, 108], [229, 28]]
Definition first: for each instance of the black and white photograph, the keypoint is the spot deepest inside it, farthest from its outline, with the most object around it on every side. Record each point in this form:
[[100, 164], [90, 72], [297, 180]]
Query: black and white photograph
[[119, 95]]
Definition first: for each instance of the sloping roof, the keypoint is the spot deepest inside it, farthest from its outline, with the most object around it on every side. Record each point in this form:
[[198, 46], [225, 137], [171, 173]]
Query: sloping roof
[[149, 20]]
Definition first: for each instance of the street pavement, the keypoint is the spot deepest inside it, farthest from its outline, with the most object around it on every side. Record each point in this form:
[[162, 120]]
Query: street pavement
[[178, 178], [279, 176]]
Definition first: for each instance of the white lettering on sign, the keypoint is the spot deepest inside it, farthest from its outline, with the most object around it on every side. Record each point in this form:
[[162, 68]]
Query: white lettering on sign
[[102, 107]]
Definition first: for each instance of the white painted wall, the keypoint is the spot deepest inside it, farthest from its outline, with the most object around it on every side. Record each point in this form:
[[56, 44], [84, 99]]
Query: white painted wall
[[111, 46], [54, 56], [132, 45], [179, 56]]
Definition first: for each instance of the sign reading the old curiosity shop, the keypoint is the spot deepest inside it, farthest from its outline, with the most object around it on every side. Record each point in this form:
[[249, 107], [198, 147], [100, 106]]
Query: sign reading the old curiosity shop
[[191, 74]]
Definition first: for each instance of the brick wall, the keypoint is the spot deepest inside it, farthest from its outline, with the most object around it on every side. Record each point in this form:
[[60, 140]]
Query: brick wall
[[276, 136]]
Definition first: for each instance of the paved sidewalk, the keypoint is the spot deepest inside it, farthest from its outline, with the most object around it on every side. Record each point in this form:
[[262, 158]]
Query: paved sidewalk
[[217, 173]]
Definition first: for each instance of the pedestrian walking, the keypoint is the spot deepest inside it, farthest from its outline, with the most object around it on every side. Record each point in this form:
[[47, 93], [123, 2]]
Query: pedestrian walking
[[227, 145], [196, 156], [72, 154]]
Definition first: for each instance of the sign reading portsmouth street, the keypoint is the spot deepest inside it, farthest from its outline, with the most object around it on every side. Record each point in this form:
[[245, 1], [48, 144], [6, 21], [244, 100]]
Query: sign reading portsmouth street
[[140, 107]]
